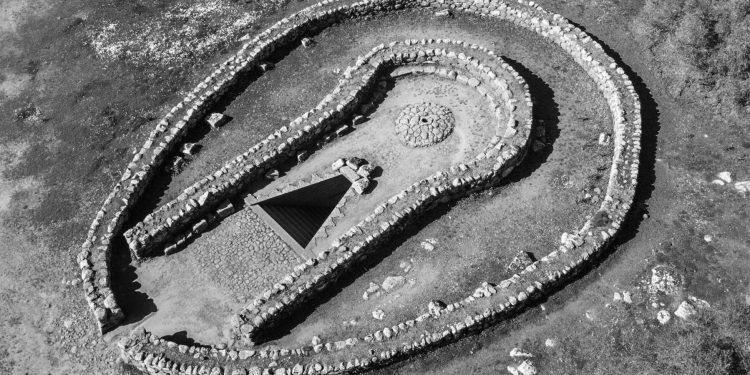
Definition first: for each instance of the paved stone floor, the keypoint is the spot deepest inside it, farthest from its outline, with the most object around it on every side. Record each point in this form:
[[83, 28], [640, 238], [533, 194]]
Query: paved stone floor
[[243, 255]]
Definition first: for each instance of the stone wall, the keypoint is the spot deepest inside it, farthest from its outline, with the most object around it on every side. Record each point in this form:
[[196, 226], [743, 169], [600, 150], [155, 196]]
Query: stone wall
[[500, 85], [442, 322]]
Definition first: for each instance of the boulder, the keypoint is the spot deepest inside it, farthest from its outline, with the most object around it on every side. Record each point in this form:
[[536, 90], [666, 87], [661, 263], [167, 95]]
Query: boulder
[[663, 316], [393, 282], [604, 139], [355, 162], [685, 310], [518, 353], [217, 120], [725, 176], [336, 165], [361, 185], [349, 173], [190, 149], [526, 368], [366, 170], [429, 244], [444, 13], [626, 298], [742, 187]]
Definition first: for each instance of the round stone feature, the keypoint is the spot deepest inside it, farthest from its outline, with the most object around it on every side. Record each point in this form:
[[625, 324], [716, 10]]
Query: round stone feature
[[424, 124]]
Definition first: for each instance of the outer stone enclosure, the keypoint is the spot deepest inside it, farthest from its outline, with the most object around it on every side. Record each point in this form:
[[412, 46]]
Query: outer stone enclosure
[[424, 124], [506, 94]]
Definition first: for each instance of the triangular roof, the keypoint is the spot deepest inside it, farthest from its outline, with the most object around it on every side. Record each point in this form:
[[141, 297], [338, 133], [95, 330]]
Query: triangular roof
[[299, 214]]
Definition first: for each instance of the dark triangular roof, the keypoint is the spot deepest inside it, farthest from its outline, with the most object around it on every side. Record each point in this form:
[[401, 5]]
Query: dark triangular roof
[[301, 212]]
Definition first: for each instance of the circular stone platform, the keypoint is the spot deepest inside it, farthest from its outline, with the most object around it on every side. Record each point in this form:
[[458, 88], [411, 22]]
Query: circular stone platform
[[424, 124]]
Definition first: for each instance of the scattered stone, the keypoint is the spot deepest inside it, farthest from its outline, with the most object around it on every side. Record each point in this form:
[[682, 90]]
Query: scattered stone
[[429, 244], [590, 315], [373, 288], [626, 298], [663, 280], [190, 149], [405, 266], [217, 120], [355, 162], [349, 173], [742, 187], [617, 297], [29, 114], [307, 42], [272, 174], [444, 13], [526, 368], [393, 282], [550, 343], [699, 303], [336, 165], [663, 317], [520, 261], [725, 176], [177, 164], [518, 353], [378, 314], [360, 186], [685, 310], [604, 139], [366, 170], [708, 238]]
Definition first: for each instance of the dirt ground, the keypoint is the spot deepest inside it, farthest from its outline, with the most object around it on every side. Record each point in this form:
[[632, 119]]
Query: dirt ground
[[78, 95]]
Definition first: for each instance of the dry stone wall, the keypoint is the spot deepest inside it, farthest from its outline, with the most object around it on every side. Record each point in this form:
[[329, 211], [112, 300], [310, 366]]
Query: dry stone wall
[[443, 322], [450, 59]]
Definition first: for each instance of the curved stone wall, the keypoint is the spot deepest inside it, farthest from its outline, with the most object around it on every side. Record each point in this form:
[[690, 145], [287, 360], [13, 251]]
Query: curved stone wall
[[442, 323], [472, 65]]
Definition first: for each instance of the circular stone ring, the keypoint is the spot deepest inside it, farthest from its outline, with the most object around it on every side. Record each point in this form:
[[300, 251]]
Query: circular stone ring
[[424, 124]]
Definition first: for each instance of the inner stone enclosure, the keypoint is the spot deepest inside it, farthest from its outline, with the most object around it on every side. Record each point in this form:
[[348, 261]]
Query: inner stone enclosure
[[229, 265]]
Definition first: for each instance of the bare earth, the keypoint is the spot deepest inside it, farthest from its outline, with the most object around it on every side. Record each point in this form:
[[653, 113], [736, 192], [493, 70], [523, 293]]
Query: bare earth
[[75, 104]]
